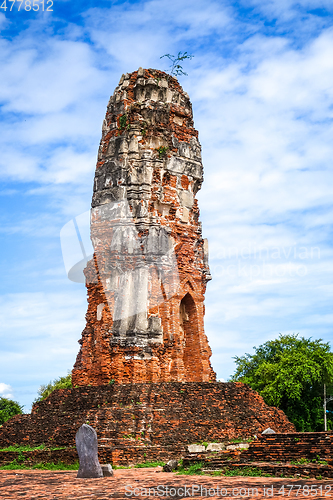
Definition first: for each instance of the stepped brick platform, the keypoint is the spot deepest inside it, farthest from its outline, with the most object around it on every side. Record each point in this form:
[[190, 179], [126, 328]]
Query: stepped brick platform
[[291, 446], [138, 422], [279, 470], [277, 454]]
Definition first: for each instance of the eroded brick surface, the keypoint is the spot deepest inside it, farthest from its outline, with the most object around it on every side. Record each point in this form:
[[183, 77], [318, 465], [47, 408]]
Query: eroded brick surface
[[146, 283], [135, 483], [302, 453], [138, 422], [291, 446]]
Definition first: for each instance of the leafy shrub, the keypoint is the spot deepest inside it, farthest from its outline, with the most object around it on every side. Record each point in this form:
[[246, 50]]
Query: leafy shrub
[[8, 409], [176, 69], [59, 383]]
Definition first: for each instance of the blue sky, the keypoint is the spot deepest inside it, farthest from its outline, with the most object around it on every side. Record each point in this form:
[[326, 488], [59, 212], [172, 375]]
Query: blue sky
[[261, 84]]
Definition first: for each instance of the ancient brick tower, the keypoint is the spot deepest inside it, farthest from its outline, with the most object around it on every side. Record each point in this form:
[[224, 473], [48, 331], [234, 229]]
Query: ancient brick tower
[[146, 284], [147, 280]]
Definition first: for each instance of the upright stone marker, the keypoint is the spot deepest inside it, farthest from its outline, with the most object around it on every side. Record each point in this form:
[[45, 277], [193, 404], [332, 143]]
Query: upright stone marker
[[86, 445]]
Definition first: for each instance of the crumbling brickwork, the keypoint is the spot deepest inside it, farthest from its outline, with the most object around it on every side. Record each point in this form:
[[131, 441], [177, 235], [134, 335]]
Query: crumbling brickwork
[[291, 446], [147, 280], [137, 422], [298, 453]]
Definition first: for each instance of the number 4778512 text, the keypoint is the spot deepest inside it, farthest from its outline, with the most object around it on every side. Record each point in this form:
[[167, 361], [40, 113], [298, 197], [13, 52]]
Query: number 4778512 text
[[27, 5]]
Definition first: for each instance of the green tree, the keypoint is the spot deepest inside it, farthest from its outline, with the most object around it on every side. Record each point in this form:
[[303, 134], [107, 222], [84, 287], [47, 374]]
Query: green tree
[[59, 383], [290, 373], [8, 409]]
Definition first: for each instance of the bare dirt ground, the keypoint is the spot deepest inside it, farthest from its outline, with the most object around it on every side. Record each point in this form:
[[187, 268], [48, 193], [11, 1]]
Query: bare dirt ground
[[153, 483]]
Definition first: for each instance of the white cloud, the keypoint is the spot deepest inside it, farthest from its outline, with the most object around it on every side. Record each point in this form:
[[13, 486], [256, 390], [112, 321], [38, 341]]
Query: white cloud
[[53, 102], [41, 316], [39, 336], [139, 34], [289, 10], [6, 391], [267, 149], [3, 20], [47, 81]]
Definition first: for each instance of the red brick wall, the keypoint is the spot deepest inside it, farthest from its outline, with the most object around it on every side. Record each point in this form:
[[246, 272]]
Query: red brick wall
[[149, 419], [293, 446]]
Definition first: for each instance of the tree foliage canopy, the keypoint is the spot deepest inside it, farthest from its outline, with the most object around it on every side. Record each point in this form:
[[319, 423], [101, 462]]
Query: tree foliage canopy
[[8, 409], [290, 373], [59, 383]]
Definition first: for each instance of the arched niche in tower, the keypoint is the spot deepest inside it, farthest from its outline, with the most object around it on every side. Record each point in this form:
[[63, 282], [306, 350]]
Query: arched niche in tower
[[188, 319]]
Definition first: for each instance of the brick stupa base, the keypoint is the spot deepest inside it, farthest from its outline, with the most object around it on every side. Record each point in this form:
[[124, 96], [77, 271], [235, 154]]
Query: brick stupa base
[[139, 422]]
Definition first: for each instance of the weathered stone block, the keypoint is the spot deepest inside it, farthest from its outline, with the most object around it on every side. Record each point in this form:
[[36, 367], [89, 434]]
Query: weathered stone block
[[232, 447], [170, 466], [238, 446], [107, 470], [196, 448], [215, 447]]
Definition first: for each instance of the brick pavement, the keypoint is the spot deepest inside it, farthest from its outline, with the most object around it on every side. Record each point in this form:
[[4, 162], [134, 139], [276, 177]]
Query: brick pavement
[[63, 485]]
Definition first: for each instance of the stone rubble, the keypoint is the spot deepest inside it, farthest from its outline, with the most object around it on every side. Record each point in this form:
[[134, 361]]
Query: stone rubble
[[107, 470], [170, 466]]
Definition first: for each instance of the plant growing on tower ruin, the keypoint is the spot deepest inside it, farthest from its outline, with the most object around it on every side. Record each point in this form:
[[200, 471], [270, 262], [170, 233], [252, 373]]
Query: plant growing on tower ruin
[[122, 121], [144, 128], [59, 383], [176, 69], [162, 151]]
